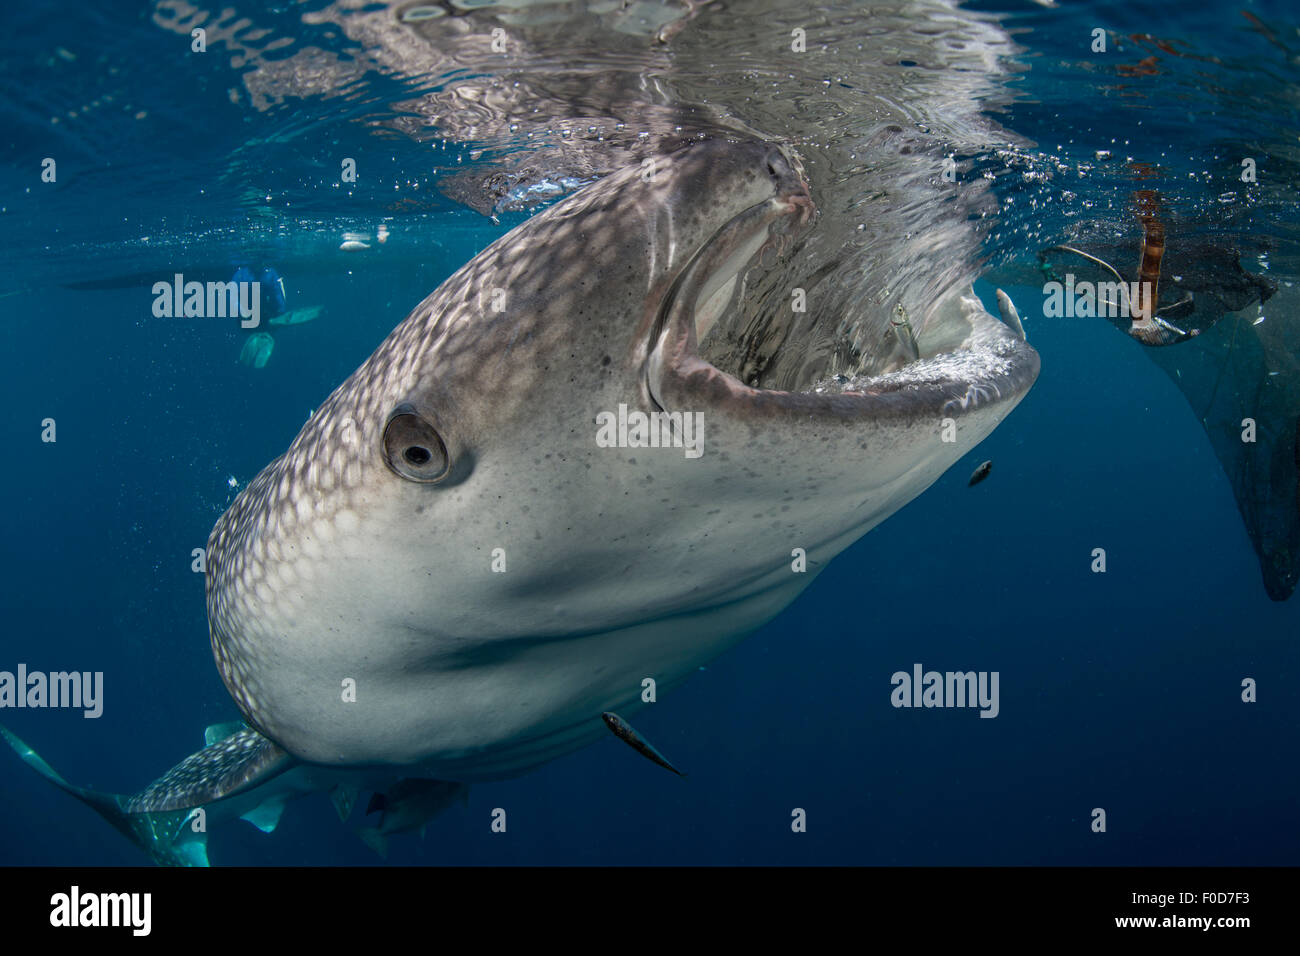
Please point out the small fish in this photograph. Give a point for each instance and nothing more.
(980, 473)
(354, 245)
(904, 334)
(621, 729)
(1009, 314)
(297, 316)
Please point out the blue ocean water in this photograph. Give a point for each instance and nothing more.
(1119, 690)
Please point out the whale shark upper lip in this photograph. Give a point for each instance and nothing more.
(775, 220)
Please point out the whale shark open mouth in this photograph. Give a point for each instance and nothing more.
(965, 358)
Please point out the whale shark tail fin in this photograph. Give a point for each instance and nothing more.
(167, 819)
(158, 834)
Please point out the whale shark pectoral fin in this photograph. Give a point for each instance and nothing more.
(240, 762)
(266, 816)
(219, 732)
(155, 833)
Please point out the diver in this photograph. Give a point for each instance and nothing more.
(270, 284)
(256, 351)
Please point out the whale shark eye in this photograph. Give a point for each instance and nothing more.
(413, 448)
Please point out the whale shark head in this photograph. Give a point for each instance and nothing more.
(537, 493)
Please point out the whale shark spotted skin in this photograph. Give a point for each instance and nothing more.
(447, 577)
(620, 564)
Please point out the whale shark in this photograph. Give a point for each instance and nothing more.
(447, 577)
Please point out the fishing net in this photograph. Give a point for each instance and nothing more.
(1234, 367)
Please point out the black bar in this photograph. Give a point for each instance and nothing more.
(244, 907)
